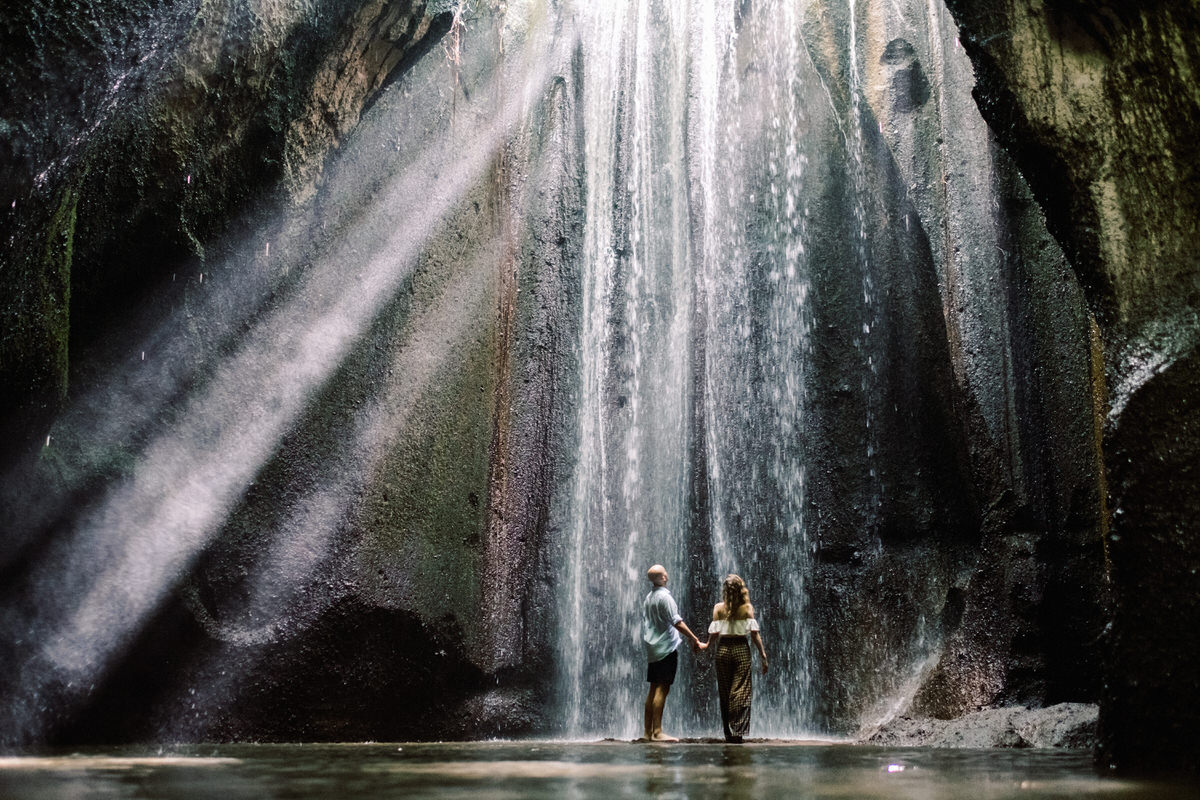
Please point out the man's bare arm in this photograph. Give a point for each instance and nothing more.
(682, 627)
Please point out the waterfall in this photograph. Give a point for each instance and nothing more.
(863, 343)
(694, 349)
(757, 285)
(629, 496)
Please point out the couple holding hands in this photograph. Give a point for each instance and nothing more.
(662, 633)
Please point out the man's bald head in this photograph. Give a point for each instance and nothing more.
(657, 575)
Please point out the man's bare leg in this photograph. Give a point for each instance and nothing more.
(648, 726)
(656, 700)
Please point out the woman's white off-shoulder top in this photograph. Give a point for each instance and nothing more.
(733, 627)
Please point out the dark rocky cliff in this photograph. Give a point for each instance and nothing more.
(139, 135)
(1098, 108)
(1006, 544)
(175, 168)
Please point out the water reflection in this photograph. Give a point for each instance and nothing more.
(737, 761)
(567, 770)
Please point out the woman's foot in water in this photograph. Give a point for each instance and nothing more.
(662, 737)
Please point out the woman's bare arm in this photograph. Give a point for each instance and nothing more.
(756, 637)
(762, 651)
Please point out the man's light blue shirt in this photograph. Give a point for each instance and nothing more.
(659, 615)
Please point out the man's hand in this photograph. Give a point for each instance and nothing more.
(700, 646)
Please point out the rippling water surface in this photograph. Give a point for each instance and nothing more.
(557, 769)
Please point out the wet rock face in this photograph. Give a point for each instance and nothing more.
(909, 86)
(1152, 689)
(1064, 725)
(380, 572)
(1097, 98)
(358, 671)
(138, 131)
(1096, 104)
(1006, 592)
(177, 130)
(966, 571)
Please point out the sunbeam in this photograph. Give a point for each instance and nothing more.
(93, 588)
(277, 605)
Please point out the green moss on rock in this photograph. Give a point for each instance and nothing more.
(55, 289)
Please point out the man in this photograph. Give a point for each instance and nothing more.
(662, 631)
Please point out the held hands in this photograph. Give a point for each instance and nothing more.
(764, 664)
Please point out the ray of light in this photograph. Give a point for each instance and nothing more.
(91, 592)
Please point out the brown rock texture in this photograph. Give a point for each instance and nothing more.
(1098, 105)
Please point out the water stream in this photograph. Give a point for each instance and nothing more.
(695, 349)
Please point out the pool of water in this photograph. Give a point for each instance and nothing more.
(564, 770)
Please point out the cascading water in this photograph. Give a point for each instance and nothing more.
(632, 475)
(755, 273)
(870, 321)
(694, 353)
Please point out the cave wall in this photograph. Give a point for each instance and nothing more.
(1014, 594)
(372, 578)
(141, 135)
(1097, 105)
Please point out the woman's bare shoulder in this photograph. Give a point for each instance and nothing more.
(718, 611)
(749, 611)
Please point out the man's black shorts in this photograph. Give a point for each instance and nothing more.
(663, 672)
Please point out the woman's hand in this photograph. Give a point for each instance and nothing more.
(764, 664)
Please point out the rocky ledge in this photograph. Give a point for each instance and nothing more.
(1066, 725)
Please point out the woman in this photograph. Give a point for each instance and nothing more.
(733, 619)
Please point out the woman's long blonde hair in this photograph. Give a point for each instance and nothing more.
(734, 594)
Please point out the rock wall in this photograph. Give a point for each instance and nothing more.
(1014, 597)
(371, 571)
(143, 134)
(1097, 105)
